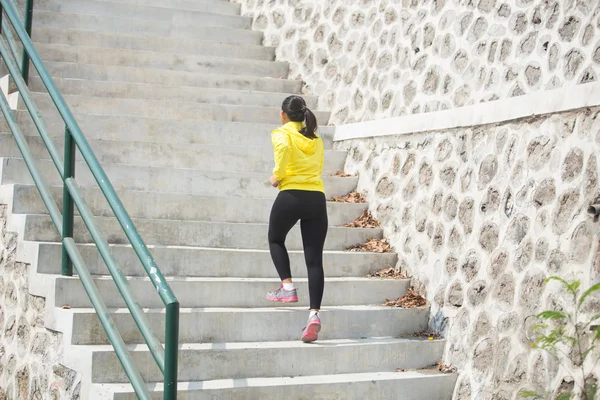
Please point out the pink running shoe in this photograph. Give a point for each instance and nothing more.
(311, 332)
(283, 296)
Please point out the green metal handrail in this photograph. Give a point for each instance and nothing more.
(9, 37)
(167, 358)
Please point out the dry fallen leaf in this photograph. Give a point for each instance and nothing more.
(373, 246)
(446, 369)
(66, 307)
(410, 300)
(390, 273)
(400, 370)
(366, 220)
(352, 197)
(342, 175)
(428, 334)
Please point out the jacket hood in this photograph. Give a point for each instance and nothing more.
(304, 144)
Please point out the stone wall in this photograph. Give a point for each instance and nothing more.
(370, 59)
(29, 353)
(480, 217)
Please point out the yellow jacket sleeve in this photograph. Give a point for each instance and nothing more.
(282, 149)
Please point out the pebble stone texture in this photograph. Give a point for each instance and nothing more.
(372, 59)
(480, 217)
(29, 353)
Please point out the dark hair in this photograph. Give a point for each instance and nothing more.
(296, 110)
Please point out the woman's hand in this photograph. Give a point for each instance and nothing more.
(273, 181)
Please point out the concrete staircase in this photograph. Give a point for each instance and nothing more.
(178, 99)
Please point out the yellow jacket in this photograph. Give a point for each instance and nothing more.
(298, 160)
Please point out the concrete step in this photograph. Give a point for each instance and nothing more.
(213, 6)
(414, 385)
(198, 64)
(167, 180)
(176, 206)
(39, 228)
(162, 131)
(130, 26)
(208, 16)
(207, 262)
(164, 109)
(229, 292)
(97, 72)
(124, 90)
(160, 44)
(273, 359)
(205, 325)
(169, 155)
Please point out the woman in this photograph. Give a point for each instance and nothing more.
(299, 159)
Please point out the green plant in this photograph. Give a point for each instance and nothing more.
(565, 335)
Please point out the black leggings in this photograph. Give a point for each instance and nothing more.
(310, 208)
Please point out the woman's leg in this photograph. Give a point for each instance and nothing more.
(281, 221)
(314, 232)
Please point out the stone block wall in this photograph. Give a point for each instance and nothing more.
(480, 216)
(371, 59)
(29, 353)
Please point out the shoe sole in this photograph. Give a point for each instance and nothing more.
(312, 333)
(287, 300)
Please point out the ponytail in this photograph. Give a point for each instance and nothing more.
(295, 108)
(311, 124)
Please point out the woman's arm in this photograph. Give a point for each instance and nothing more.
(281, 149)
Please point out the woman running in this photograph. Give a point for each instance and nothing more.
(299, 159)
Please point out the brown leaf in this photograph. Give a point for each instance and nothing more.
(352, 197)
(343, 175)
(390, 273)
(410, 300)
(428, 334)
(66, 307)
(372, 246)
(400, 370)
(446, 369)
(366, 220)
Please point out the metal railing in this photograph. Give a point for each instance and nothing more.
(166, 358)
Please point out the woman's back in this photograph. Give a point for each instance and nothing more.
(299, 160)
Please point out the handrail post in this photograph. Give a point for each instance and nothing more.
(68, 208)
(171, 348)
(28, 24)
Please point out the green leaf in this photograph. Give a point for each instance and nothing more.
(547, 341)
(538, 327)
(591, 391)
(588, 292)
(587, 352)
(570, 339)
(564, 396)
(551, 315)
(528, 393)
(592, 320)
(557, 278)
(573, 287)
